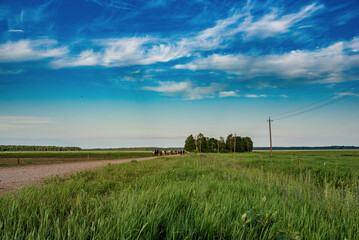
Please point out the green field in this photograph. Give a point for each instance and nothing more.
(39, 157)
(208, 196)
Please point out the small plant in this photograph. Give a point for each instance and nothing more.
(258, 221)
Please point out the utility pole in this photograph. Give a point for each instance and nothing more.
(270, 135)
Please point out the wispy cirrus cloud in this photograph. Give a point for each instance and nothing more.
(30, 50)
(256, 95)
(10, 71)
(118, 4)
(336, 63)
(85, 58)
(345, 94)
(170, 87)
(274, 22)
(228, 94)
(188, 90)
(8, 123)
(27, 16)
(124, 52)
(148, 50)
(16, 30)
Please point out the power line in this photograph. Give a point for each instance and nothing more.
(316, 102)
(316, 107)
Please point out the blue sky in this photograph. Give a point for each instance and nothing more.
(105, 73)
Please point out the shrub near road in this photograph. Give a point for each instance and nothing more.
(189, 197)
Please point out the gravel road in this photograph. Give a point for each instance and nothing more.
(18, 176)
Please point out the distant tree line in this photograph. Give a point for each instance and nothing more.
(307, 148)
(4, 148)
(232, 143)
(131, 149)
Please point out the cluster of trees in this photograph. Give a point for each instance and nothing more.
(232, 143)
(36, 148)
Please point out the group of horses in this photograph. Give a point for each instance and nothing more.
(160, 152)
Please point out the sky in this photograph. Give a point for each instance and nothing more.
(106, 73)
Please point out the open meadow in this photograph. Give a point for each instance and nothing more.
(245, 196)
(40, 157)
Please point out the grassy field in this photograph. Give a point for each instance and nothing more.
(246, 196)
(37, 157)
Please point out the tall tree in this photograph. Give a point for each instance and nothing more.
(248, 144)
(239, 144)
(202, 143)
(229, 143)
(190, 145)
(212, 145)
(222, 145)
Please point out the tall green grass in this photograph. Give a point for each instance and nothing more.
(188, 197)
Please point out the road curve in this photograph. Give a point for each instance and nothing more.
(18, 176)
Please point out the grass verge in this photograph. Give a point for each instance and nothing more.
(188, 197)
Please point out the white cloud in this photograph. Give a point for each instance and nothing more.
(243, 22)
(204, 92)
(124, 52)
(113, 3)
(345, 94)
(228, 94)
(10, 71)
(170, 87)
(345, 18)
(8, 123)
(16, 30)
(353, 45)
(255, 95)
(148, 50)
(273, 23)
(85, 58)
(130, 51)
(29, 50)
(186, 89)
(213, 37)
(335, 63)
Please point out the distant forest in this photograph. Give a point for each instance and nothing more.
(4, 148)
(232, 143)
(135, 149)
(307, 148)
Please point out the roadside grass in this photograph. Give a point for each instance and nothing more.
(341, 166)
(206, 196)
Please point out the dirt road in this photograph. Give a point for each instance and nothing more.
(15, 177)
